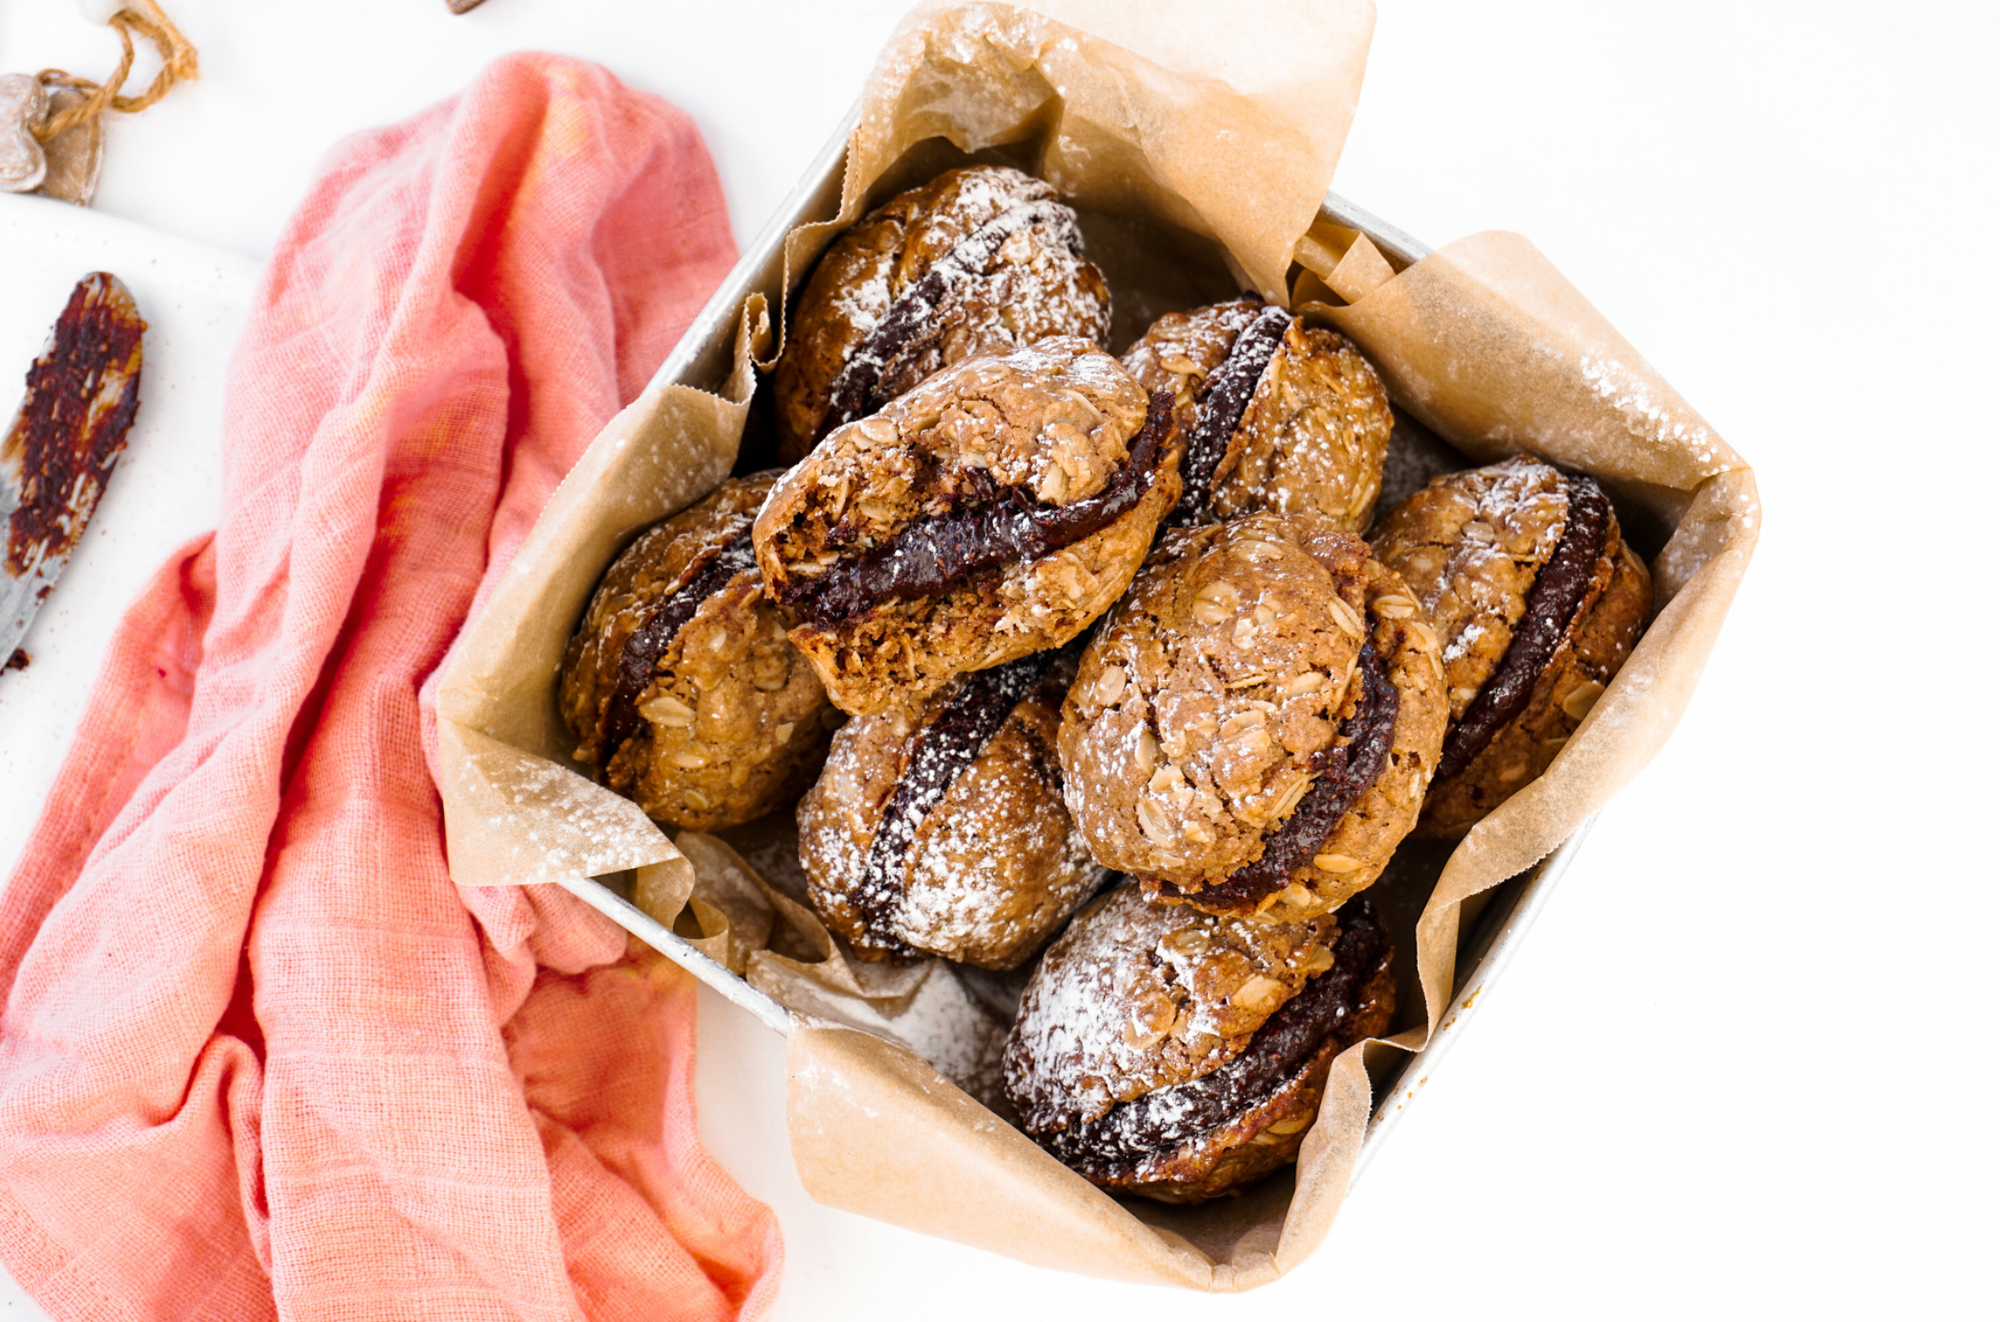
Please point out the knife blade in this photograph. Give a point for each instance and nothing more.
(83, 392)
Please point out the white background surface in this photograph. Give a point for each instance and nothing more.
(1745, 1065)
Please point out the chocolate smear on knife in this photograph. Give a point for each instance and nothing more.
(912, 321)
(1344, 771)
(938, 753)
(988, 527)
(638, 664)
(1320, 1014)
(83, 393)
(1223, 396)
(1552, 604)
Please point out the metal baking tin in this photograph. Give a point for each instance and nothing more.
(702, 360)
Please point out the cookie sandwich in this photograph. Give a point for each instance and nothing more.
(1523, 572)
(1172, 1054)
(680, 686)
(1278, 414)
(938, 828)
(1253, 729)
(983, 259)
(992, 512)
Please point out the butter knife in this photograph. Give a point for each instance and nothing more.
(57, 457)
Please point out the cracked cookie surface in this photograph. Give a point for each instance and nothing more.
(1005, 268)
(1281, 415)
(680, 686)
(1537, 601)
(992, 512)
(981, 863)
(1228, 693)
(1179, 1055)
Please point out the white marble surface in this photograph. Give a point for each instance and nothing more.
(1741, 1068)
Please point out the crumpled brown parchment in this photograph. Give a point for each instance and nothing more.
(1199, 143)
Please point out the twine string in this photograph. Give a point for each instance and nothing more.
(178, 63)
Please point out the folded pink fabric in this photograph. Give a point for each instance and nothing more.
(260, 1056)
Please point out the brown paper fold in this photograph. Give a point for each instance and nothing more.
(1494, 350)
(516, 810)
(1199, 150)
(1227, 124)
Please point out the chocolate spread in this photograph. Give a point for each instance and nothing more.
(1552, 606)
(988, 526)
(937, 753)
(709, 573)
(1321, 1014)
(1222, 398)
(1344, 771)
(913, 321)
(83, 393)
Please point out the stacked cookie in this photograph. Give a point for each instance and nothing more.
(1090, 617)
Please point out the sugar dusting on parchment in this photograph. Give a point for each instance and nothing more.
(1647, 417)
(539, 822)
(955, 1018)
(946, 1023)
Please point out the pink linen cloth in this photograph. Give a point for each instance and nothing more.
(259, 1056)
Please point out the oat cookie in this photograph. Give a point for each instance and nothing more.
(680, 686)
(992, 512)
(1279, 415)
(982, 259)
(1253, 728)
(939, 828)
(1169, 1053)
(1537, 600)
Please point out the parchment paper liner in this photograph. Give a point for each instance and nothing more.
(1484, 342)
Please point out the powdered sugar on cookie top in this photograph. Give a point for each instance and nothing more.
(1137, 996)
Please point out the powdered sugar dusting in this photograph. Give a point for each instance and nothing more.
(1137, 996)
(863, 303)
(1660, 423)
(554, 823)
(990, 261)
(972, 855)
(1470, 547)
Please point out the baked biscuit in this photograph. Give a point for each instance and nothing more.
(992, 512)
(680, 686)
(982, 259)
(1168, 1053)
(1279, 415)
(939, 828)
(1253, 728)
(1522, 571)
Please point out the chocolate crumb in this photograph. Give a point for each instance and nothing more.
(18, 661)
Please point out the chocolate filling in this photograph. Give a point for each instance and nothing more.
(639, 663)
(912, 321)
(1324, 1010)
(82, 395)
(1222, 398)
(938, 753)
(988, 526)
(1552, 605)
(1344, 772)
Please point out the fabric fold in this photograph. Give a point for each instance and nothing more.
(259, 1055)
